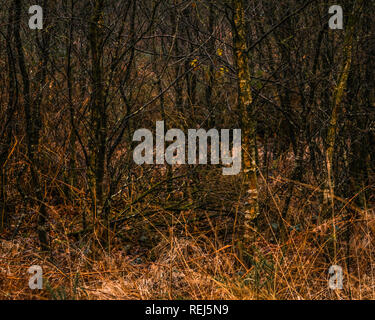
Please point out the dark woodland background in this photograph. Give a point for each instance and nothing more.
(73, 201)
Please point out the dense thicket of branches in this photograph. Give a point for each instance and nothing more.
(72, 95)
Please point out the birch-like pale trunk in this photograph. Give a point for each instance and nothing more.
(248, 124)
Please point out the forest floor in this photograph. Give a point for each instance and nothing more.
(180, 245)
(191, 261)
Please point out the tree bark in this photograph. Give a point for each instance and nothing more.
(248, 124)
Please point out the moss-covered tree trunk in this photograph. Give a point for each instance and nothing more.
(337, 102)
(248, 125)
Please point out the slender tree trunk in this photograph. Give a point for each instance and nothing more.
(175, 19)
(211, 70)
(71, 174)
(6, 133)
(248, 124)
(33, 121)
(97, 145)
(338, 100)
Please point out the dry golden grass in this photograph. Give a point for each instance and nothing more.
(186, 268)
(189, 254)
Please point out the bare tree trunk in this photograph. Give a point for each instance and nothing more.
(6, 132)
(338, 100)
(33, 121)
(71, 174)
(97, 145)
(211, 70)
(248, 124)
